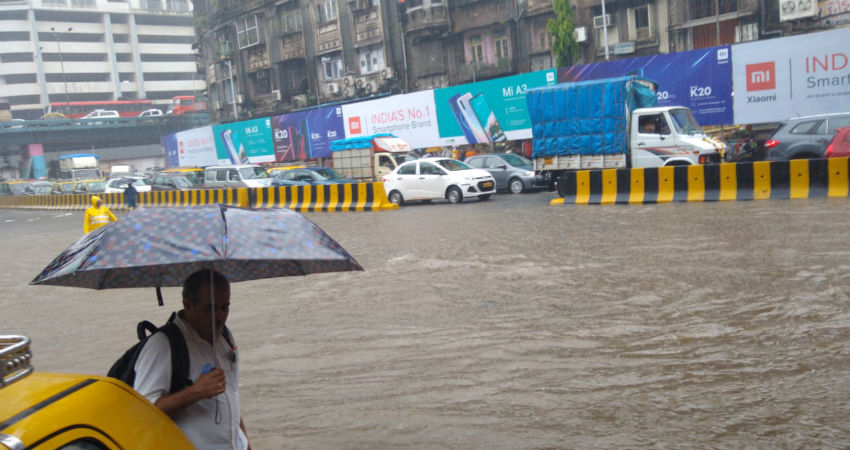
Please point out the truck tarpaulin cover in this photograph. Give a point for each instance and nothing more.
(359, 142)
(572, 118)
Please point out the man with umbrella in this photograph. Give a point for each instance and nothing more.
(130, 194)
(208, 409)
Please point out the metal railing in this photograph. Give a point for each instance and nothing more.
(15, 358)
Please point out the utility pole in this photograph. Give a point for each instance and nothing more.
(232, 89)
(61, 61)
(605, 30)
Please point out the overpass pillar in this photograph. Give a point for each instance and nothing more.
(32, 161)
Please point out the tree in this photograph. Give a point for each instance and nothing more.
(564, 46)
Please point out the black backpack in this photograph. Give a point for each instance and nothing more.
(124, 368)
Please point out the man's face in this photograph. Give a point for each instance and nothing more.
(199, 316)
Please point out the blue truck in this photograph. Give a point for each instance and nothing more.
(612, 123)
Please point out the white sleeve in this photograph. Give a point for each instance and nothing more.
(153, 368)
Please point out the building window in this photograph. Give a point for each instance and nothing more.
(326, 11)
(544, 39)
(332, 67)
(641, 23)
(178, 5)
(476, 50)
(262, 81)
(54, 2)
(247, 31)
(703, 8)
(225, 45)
(83, 3)
(501, 45)
(155, 5)
(371, 59)
(541, 62)
(290, 21)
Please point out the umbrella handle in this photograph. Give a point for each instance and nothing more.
(159, 296)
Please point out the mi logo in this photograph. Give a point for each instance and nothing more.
(354, 125)
(761, 76)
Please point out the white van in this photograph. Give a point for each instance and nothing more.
(240, 175)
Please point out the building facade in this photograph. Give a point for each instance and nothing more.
(266, 57)
(95, 50)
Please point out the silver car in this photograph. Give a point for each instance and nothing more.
(511, 171)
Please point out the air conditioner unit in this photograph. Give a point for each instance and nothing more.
(333, 88)
(276, 94)
(598, 21)
(580, 34)
(299, 100)
(240, 99)
(348, 81)
(371, 87)
(387, 73)
(349, 91)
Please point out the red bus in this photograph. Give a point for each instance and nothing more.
(187, 104)
(75, 110)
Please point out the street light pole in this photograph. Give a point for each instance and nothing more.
(232, 89)
(62, 61)
(604, 30)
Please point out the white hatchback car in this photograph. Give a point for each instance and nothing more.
(436, 178)
(151, 113)
(98, 113)
(117, 185)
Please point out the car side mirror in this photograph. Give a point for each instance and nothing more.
(502, 166)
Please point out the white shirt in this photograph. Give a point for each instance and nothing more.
(198, 420)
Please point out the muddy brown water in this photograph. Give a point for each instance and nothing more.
(511, 324)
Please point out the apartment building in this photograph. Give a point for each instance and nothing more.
(95, 50)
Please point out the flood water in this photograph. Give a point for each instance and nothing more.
(511, 324)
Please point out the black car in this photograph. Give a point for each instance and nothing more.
(175, 181)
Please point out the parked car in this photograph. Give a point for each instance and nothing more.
(840, 145)
(117, 185)
(235, 176)
(274, 171)
(90, 187)
(436, 178)
(15, 187)
(196, 174)
(511, 171)
(67, 411)
(63, 187)
(804, 137)
(308, 176)
(101, 113)
(151, 113)
(39, 188)
(175, 181)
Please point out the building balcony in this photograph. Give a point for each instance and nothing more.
(292, 47)
(483, 70)
(538, 6)
(428, 20)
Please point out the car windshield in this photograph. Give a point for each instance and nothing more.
(184, 182)
(405, 158)
(97, 186)
(41, 189)
(250, 173)
(86, 173)
(684, 121)
(453, 165)
(516, 160)
(327, 174)
(18, 188)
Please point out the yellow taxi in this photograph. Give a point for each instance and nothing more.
(63, 187)
(52, 411)
(16, 187)
(273, 171)
(195, 174)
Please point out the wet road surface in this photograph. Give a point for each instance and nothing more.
(512, 324)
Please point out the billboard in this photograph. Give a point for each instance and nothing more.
(411, 117)
(796, 9)
(699, 79)
(792, 76)
(488, 111)
(248, 141)
(306, 134)
(193, 147)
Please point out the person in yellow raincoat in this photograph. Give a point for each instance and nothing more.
(97, 216)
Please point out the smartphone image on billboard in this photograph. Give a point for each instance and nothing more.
(465, 127)
(487, 118)
(231, 144)
(481, 136)
(306, 146)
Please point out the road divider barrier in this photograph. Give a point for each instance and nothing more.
(803, 178)
(336, 197)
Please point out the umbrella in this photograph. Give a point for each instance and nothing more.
(159, 247)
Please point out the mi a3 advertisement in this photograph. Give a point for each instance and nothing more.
(790, 77)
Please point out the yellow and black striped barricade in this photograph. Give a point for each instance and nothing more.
(330, 197)
(717, 182)
(180, 199)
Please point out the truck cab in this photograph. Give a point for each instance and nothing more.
(668, 136)
(369, 158)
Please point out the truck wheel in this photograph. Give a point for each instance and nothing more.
(396, 198)
(453, 195)
(562, 186)
(516, 186)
